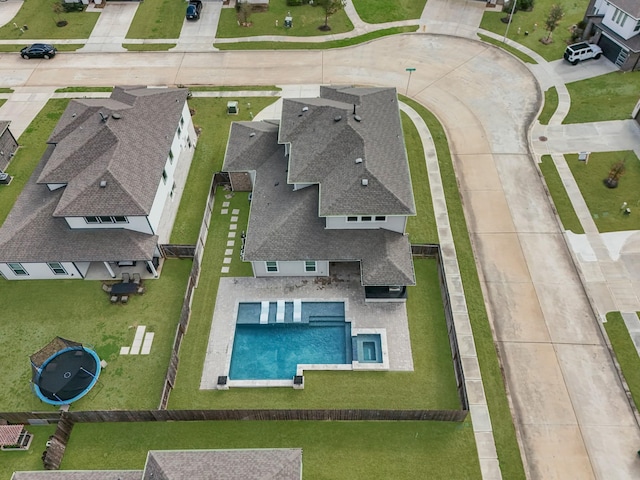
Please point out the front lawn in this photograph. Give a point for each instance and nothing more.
(616, 94)
(158, 19)
(605, 203)
(526, 22)
(306, 20)
(561, 200)
(381, 11)
(550, 105)
(40, 20)
(331, 450)
(626, 353)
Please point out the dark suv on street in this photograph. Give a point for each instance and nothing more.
(39, 50)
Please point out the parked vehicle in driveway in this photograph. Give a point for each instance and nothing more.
(39, 50)
(581, 51)
(194, 9)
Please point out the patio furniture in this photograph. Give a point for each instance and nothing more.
(106, 288)
(140, 290)
(114, 299)
(124, 288)
(126, 278)
(124, 299)
(136, 278)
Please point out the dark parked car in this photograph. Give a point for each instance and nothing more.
(38, 50)
(194, 9)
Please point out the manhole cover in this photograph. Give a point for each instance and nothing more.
(542, 139)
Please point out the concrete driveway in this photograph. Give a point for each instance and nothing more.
(8, 10)
(571, 412)
(199, 35)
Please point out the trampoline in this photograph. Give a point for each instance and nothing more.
(64, 371)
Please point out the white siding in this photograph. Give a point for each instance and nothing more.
(55, 186)
(40, 271)
(300, 186)
(395, 224)
(291, 269)
(138, 224)
(628, 24)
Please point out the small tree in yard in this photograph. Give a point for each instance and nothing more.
(551, 23)
(330, 7)
(58, 10)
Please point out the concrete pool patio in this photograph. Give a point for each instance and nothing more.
(343, 285)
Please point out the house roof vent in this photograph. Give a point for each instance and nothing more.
(116, 116)
(103, 117)
(365, 182)
(103, 183)
(252, 134)
(305, 109)
(357, 118)
(359, 160)
(337, 118)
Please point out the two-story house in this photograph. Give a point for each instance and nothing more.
(614, 25)
(330, 183)
(106, 192)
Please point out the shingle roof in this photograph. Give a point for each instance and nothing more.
(31, 233)
(632, 7)
(326, 138)
(128, 152)
(9, 434)
(252, 464)
(284, 224)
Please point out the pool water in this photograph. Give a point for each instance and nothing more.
(273, 351)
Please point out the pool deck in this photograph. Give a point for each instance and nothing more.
(344, 286)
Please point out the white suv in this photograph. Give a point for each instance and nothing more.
(581, 51)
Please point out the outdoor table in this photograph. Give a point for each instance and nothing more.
(123, 288)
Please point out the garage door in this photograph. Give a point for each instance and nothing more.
(612, 50)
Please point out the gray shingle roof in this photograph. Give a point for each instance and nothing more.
(632, 7)
(31, 233)
(128, 153)
(253, 464)
(284, 224)
(326, 139)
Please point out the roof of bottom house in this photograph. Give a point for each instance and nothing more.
(31, 234)
(246, 464)
(284, 224)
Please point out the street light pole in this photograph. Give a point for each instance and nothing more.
(410, 70)
(513, 8)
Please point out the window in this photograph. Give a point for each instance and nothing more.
(637, 27)
(17, 269)
(170, 156)
(310, 266)
(619, 17)
(365, 219)
(120, 219)
(179, 131)
(164, 176)
(272, 266)
(352, 219)
(381, 219)
(173, 189)
(106, 219)
(182, 121)
(91, 219)
(57, 268)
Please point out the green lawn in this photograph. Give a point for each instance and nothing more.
(560, 197)
(626, 353)
(83, 89)
(239, 88)
(332, 450)
(41, 23)
(525, 21)
(550, 105)
(380, 11)
(80, 310)
(29, 460)
(604, 203)
(64, 47)
(306, 20)
(211, 116)
(6, 90)
(317, 45)
(513, 51)
(158, 19)
(503, 429)
(148, 47)
(618, 91)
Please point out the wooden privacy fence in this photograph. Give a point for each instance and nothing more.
(433, 251)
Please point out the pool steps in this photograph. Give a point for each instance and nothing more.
(297, 310)
(264, 312)
(280, 311)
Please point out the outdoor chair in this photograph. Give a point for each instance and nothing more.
(136, 278)
(114, 299)
(140, 290)
(126, 278)
(124, 299)
(106, 288)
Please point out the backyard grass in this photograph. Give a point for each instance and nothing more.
(158, 19)
(604, 203)
(332, 450)
(314, 45)
(148, 47)
(32, 146)
(306, 20)
(550, 105)
(80, 311)
(626, 353)
(560, 197)
(380, 11)
(617, 94)
(525, 21)
(513, 51)
(501, 420)
(41, 23)
(29, 460)
(211, 116)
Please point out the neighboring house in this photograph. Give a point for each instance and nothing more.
(8, 145)
(330, 183)
(251, 464)
(106, 192)
(614, 25)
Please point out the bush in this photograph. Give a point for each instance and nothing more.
(294, 3)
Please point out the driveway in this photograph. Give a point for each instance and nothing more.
(8, 10)
(571, 412)
(199, 35)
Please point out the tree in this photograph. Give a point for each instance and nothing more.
(58, 10)
(555, 15)
(330, 7)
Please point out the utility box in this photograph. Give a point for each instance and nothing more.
(232, 108)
